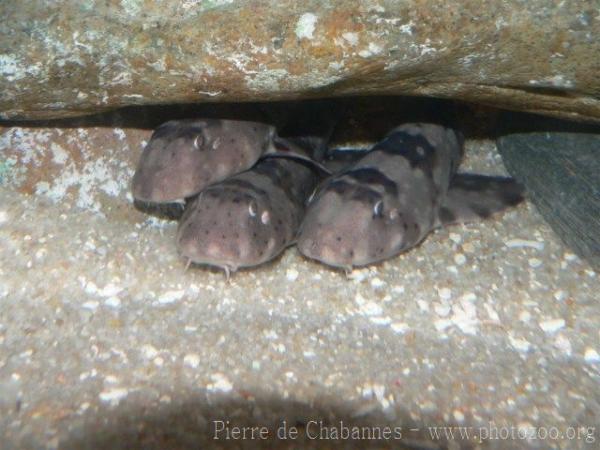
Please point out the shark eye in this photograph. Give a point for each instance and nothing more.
(378, 209)
(198, 142)
(252, 208)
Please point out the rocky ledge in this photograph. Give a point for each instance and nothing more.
(68, 58)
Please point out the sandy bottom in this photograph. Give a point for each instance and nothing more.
(490, 330)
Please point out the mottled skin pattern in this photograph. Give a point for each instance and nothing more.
(394, 196)
(184, 156)
(249, 218)
(473, 197)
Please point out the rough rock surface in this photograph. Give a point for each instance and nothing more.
(561, 172)
(70, 57)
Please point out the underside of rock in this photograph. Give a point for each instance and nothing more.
(70, 58)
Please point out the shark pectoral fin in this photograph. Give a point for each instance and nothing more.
(475, 197)
(302, 149)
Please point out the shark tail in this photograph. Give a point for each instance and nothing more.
(475, 197)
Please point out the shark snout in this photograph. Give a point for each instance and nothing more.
(327, 247)
(217, 252)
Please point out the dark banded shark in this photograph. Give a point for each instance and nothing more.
(250, 218)
(184, 156)
(401, 190)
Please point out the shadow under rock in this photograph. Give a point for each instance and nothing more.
(204, 420)
(364, 119)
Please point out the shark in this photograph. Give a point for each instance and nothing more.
(252, 217)
(401, 190)
(182, 157)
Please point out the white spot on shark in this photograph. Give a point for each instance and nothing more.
(265, 217)
(216, 144)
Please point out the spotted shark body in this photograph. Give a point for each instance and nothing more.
(249, 218)
(184, 156)
(401, 190)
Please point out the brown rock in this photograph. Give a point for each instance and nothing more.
(68, 58)
(89, 167)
